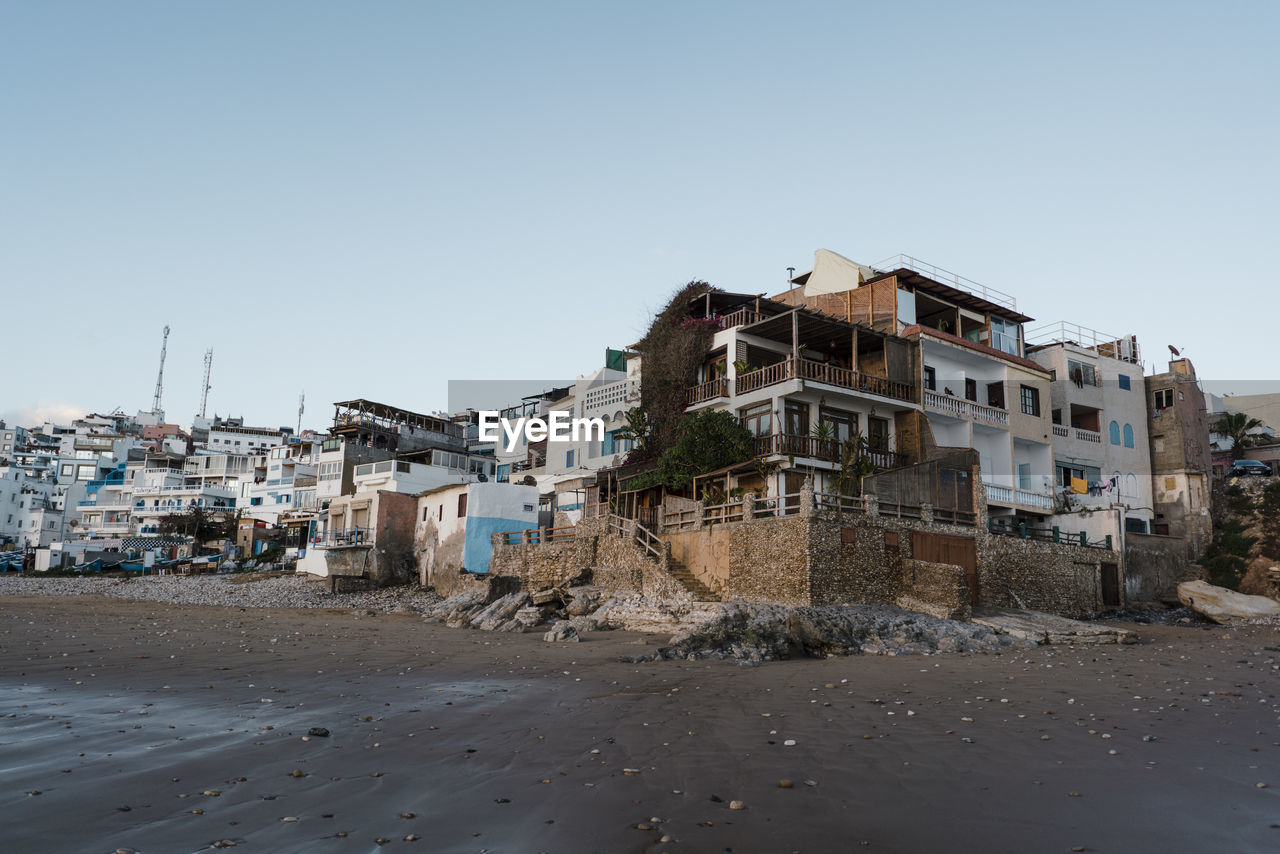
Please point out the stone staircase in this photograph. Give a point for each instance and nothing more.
(658, 550)
(699, 591)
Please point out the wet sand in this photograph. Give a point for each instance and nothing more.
(174, 728)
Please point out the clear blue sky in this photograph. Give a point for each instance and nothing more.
(370, 199)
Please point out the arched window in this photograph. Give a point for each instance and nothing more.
(1115, 433)
(1128, 435)
(1131, 485)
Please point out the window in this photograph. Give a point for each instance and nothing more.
(1128, 435)
(844, 424)
(877, 434)
(797, 419)
(995, 395)
(1123, 380)
(1135, 526)
(1030, 400)
(1081, 374)
(568, 459)
(1024, 476)
(1164, 398)
(930, 378)
(1115, 433)
(255, 501)
(1004, 336)
(758, 419)
(971, 390)
(462, 504)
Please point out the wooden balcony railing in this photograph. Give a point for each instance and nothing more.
(766, 376)
(822, 372)
(710, 390)
(741, 317)
(779, 444)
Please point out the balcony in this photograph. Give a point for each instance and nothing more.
(741, 317)
(958, 407)
(709, 390)
(1019, 497)
(810, 371)
(344, 538)
(1082, 435)
(828, 450)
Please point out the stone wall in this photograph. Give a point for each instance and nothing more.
(1155, 566)
(939, 589)
(1057, 578)
(539, 566)
(850, 560)
(769, 560)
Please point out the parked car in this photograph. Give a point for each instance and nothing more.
(1249, 468)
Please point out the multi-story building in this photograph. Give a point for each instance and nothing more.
(160, 488)
(231, 436)
(910, 358)
(1180, 458)
(273, 489)
(1102, 456)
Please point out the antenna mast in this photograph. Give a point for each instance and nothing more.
(302, 405)
(204, 392)
(164, 349)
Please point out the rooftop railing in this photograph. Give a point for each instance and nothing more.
(947, 277)
(1123, 347)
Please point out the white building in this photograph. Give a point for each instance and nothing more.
(273, 490)
(1102, 456)
(456, 524)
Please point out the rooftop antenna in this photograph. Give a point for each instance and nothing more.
(164, 349)
(302, 405)
(791, 274)
(204, 391)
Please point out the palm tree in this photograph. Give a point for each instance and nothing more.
(1236, 426)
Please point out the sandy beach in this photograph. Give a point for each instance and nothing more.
(172, 728)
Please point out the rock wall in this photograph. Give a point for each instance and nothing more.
(539, 566)
(769, 560)
(851, 560)
(1155, 566)
(1057, 578)
(939, 589)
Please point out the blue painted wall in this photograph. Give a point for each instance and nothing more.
(477, 550)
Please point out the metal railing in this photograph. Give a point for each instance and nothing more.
(1123, 347)
(947, 277)
(343, 538)
(840, 503)
(1048, 535)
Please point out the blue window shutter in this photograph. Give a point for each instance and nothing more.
(1124, 381)
(1128, 435)
(1115, 433)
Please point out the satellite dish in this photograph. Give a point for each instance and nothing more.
(1173, 350)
